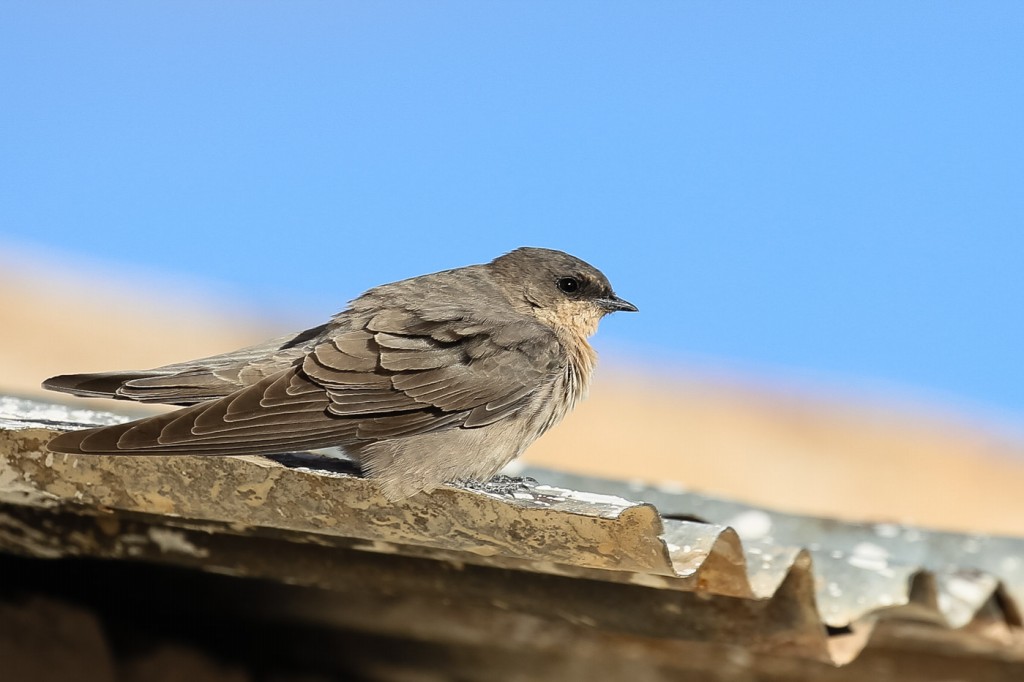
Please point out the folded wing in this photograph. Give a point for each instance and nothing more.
(395, 374)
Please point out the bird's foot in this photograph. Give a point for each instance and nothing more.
(502, 485)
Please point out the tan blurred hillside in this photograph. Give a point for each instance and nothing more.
(810, 453)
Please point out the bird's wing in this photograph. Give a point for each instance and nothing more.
(195, 381)
(409, 372)
(399, 374)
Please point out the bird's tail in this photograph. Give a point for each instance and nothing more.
(98, 385)
(261, 419)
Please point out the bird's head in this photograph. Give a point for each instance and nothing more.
(562, 291)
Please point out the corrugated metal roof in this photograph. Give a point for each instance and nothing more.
(765, 581)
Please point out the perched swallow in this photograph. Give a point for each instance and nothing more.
(439, 378)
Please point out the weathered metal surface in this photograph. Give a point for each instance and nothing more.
(863, 572)
(761, 580)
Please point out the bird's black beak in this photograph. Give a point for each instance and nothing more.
(613, 303)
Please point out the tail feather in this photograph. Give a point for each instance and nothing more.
(144, 386)
(99, 385)
(212, 428)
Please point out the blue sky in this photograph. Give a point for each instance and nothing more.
(833, 190)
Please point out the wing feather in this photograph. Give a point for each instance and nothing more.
(392, 374)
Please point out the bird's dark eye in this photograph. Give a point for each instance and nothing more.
(568, 285)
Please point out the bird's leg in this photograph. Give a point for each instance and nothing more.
(501, 484)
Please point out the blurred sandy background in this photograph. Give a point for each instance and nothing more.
(796, 451)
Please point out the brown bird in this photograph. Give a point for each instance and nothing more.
(439, 378)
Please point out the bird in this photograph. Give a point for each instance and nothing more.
(442, 378)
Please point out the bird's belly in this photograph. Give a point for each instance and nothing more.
(405, 466)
